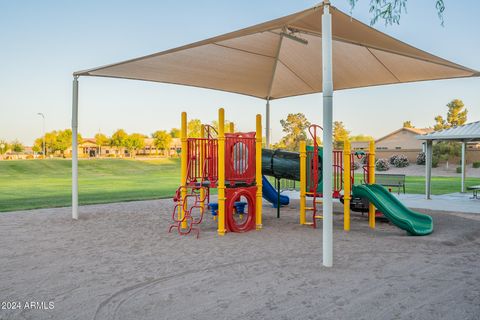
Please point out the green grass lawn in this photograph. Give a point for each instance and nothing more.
(29, 184)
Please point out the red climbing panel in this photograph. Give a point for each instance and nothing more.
(191, 205)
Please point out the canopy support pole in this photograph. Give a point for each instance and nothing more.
(464, 148)
(327, 135)
(75, 149)
(428, 168)
(267, 124)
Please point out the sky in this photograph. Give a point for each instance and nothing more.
(43, 42)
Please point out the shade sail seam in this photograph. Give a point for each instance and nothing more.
(295, 74)
(369, 46)
(453, 65)
(400, 41)
(379, 61)
(243, 50)
(274, 68)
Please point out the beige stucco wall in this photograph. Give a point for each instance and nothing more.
(403, 139)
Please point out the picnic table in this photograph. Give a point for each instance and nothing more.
(475, 190)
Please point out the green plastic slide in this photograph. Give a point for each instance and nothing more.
(414, 223)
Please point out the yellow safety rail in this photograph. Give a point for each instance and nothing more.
(347, 185)
(303, 181)
(258, 172)
(221, 172)
(371, 180)
(183, 159)
(202, 163)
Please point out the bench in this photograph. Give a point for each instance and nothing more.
(475, 190)
(391, 180)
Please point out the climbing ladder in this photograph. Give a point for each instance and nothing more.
(313, 187)
(188, 212)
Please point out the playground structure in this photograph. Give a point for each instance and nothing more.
(235, 164)
(231, 163)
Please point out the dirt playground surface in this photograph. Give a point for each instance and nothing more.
(119, 262)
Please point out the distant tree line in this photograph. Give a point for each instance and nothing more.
(14, 146)
(61, 140)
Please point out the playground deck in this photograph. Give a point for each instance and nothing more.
(118, 262)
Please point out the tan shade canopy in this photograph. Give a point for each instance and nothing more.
(283, 58)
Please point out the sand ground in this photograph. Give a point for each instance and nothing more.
(118, 262)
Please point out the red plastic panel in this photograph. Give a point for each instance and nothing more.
(247, 194)
(240, 158)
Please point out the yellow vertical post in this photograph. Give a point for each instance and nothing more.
(347, 187)
(371, 180)
(232, 127)
(221, 172)
(258, 172)
(183, 159)
(303, 181)
(201, 164)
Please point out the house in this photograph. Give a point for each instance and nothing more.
(402, 141)
(88, 148)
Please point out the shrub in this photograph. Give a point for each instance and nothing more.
(421, 158)
(382, 165)
(435, 161)
(459, 169)
(476, 164)
(401, 161)
(391, 160)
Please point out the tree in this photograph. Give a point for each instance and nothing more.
(279, 145)
(361, 137)
(457, 113)
(295, 127)
(101, 140)
(38, 145)
(408, 124)
(340, 134)
(214, 124)
(194, 128)
(175, 133)
(16, 146)
(64, 140)
(50, 142)
(456, 116)
(391, 10)
(134, 142)
(4, 146)
(440, 123)
(162, 140)
(446, 150)
(118, 139)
